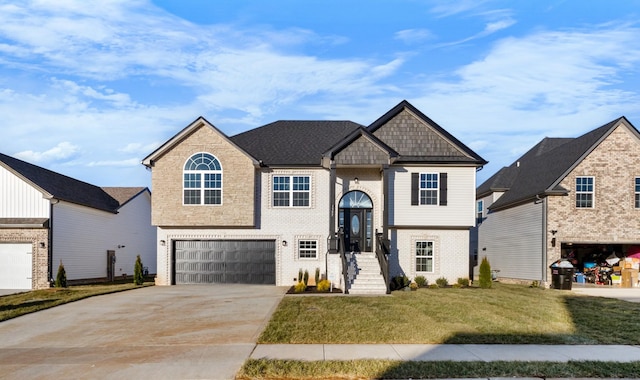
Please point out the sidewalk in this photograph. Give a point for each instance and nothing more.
(446, 352)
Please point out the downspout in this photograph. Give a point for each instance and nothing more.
(52, 202)
(332, 212)
(385, 196)
(544, 240)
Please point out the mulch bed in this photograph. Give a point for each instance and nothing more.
(312, 290)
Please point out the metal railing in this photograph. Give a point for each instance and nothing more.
(343, 256)
(382, 253)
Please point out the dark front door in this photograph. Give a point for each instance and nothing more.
(357, 223)
(111, 263)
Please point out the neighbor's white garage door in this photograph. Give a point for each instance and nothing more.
(15, 266)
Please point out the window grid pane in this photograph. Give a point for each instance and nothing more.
(424, 256)
(428, 188)
(192, 197)
(637, 192)
(291, 191)
(584, 192)
(308, 249)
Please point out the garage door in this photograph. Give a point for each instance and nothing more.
(15, 266)
(225, 261)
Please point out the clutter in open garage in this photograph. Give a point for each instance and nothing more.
(615, 265)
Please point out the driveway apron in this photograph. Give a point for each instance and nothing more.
(176, 332)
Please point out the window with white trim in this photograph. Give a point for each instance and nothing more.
(428, 188)
(479, 212)
(584, 192)
(637, 192)
(291, 191)
(202, 180)
(308, 249)
(424, 256)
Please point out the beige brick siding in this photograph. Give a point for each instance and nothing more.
(40, 263)
(238, 180)
(614, 164)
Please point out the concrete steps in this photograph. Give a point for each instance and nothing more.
(364, 274)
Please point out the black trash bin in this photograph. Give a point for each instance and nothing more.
(561, 277)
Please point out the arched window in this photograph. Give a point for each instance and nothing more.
(202, 180)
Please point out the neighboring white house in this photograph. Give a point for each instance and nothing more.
(47, 218)
(260, 206)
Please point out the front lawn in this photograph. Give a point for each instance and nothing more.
(510, 314)
(15, 305)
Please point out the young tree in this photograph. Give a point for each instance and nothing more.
(61, 277)
(138, 277)
(485, 274)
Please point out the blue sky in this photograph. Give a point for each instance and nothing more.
(88, 89)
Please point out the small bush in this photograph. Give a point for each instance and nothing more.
(485, 274)
(138, 276)
(535, 284)
(456, 285)
(61, 277)
(300, 275)
(433, 286)
(323, 286)
(442, 282)
(317, 277)
(421, 281)
(305, 277)
(399, 282)
(463, 282)
(413, 286)
(300, 287)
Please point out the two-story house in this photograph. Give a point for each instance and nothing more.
(262, 205)
(575, 198)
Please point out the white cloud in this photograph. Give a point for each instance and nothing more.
(412, 36)
(114, 163)
(61, 151)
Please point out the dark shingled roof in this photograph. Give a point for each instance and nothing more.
(62, 187)
(293, 142)
(536, 172)
(124, 194)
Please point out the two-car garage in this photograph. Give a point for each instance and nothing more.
(224, 261)
(15, 266)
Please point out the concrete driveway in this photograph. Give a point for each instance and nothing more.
(625, 294)
(177, 332)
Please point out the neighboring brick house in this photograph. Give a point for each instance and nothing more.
(262, 205)
(47, 218)
(566, 197)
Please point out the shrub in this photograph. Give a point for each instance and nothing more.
(138, 277)
(61, 277)
(442, 282)
(413, 286)
(433, 286)
(323, 286)
(535, 284)
(485, 274)
(300, 287)
(300, 275)
(317, 277)
(305, 277)
(399, 282)
(463, 282)
(421, 281)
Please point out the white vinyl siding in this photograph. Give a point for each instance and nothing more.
(512, 241)
(460, 208)
(83, 235)
(19, 199)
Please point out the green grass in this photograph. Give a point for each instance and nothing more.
(508, 314)
(15, 305)
(386, 369)
(503, 314)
